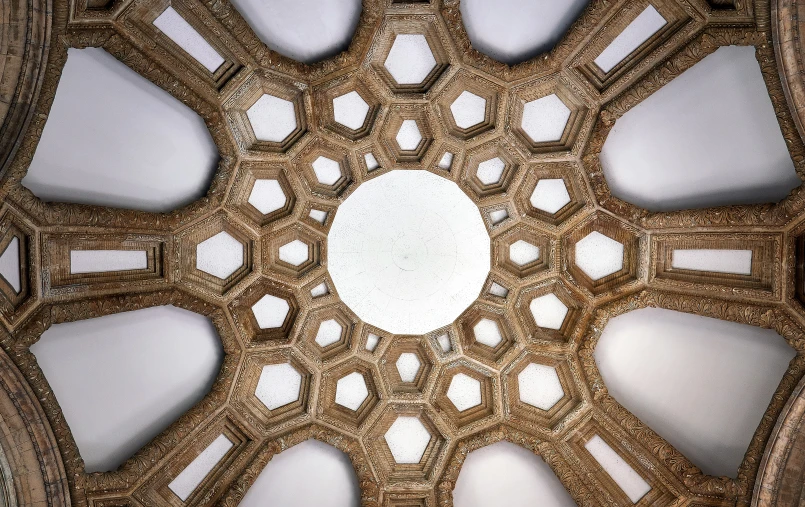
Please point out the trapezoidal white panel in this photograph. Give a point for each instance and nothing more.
(708, 138)
(307, 474)
(113, 138)
(121, 379)
(702, 384)
(513, 31)
(305, 30)
(508, 475)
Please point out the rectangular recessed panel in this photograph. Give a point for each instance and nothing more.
(179, 31)
(624, 475)
(186, 482)
(636, 33)
(102, 261)
(738, 262)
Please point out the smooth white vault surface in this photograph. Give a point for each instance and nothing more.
(305, 30)
(308, 474)
(408, 252)
(702, 384)
(512, 31)
(148, 152)
(696, 143)
(508, 475)
(97, 370)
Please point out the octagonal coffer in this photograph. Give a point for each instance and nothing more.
(405, 443)
(349, 107)
(267, 114)
(411, 57)
(349, 394)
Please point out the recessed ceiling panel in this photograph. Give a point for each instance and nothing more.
(121, 379)
(708, 138)
(506, 474)
(113, 138)
(702, 384)
(513, 31)
(305, 30)
(408, 252)
(307, 474)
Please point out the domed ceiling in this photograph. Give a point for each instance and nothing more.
(401, 253)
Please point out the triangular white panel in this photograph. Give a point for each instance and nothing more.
(10, 264)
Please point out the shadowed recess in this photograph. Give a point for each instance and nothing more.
(305, 30)
(97, 370)
(513, 31)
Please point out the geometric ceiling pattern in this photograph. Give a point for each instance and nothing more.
(297, 141)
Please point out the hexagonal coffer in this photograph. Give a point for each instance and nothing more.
(406, 365)
(523, 251)
(602, 253)
(405, 443)
(485, 334)
(490, 168)
(348, 107)
(349, 393)
(546, 116)
(411, 58)
(274, 388)
(294, 252)
(407, 134)
(540, 390)
(266, 113)
(265, 312)
(326, 168)
(465, 394)
(551, 193)
(329, 332)
(215, 255)
(549, 311)
(469, 105)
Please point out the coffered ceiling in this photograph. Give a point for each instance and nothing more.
(399, 253)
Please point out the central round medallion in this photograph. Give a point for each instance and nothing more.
(408, 252)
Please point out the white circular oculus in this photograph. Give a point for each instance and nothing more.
(408, 252)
